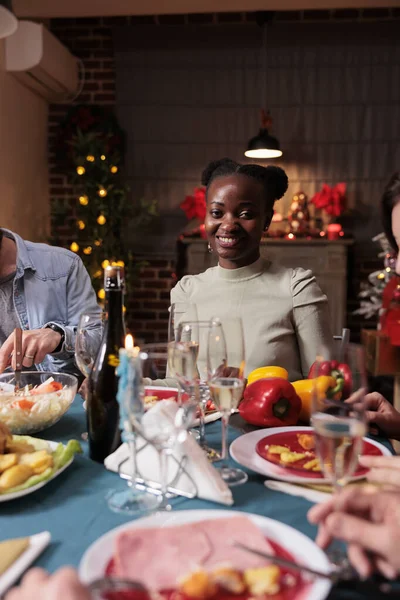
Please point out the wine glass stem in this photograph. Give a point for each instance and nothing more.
(224, 422)
(202, 425)
(163, 458)
(132, 447)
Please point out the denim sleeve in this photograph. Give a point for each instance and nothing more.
(81, 298)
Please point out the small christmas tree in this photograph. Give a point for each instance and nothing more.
(90, 150)
(298, 215)
(371, 293)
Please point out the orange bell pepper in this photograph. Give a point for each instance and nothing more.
(324, 385)
(267, 373)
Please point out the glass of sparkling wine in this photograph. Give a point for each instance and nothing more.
(225, 365)
(194, 334)
(339, 419)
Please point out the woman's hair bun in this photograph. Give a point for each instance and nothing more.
(278, 179)
(218, 167)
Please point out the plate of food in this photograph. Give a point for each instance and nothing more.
(41, 400)
(153, 394)
(193, 552)
(288, 454)
(27, 463)
(17, 555)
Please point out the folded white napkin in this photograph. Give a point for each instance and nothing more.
(208, 482)
(293, 489)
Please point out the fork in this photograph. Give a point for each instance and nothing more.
(115, 584)
(18, 357)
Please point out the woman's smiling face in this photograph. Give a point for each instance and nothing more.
(236, 218)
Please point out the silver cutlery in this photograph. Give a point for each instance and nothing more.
(114, 584)
(17, 357)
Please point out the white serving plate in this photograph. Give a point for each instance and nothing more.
(37, 543)
(33, 488)
(243, 450)
(302, 548)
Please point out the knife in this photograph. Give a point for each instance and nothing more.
(374, 588)
(18, 357)
(284, 562)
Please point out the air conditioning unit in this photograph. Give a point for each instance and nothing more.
(41, 62)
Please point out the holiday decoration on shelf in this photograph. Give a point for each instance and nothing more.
(90, 150)
(195, 206)
(381, 284)
(298, 215)
(330, 201)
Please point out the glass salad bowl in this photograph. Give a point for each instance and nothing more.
(41, 400)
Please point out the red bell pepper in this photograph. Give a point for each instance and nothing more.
(270, 403)
(339, 371)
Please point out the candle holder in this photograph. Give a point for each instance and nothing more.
(132, 500)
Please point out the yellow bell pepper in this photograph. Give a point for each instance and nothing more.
(267, 373)
(305, 389)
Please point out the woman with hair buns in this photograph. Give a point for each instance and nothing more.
(285, 314)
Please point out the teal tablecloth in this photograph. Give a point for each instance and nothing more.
(73, 507)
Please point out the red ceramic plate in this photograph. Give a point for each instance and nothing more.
(294, 586)
(165, 393)
(290, 440)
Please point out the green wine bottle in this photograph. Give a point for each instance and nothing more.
(102, 405)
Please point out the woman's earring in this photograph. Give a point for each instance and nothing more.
(209, 247)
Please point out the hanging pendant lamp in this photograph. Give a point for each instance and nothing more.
(8, 21)
(264, 145)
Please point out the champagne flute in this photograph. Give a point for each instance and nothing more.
(87, 341)
(178, 312)
(339, 423)
(194, 334)
(339, 419)
(165, 424)
(225, 363)
(88, 338)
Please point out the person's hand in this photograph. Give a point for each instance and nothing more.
(37, 583)
(36, 343)
(84, 389)
(369, 521)
(383, 469)
(383, 414)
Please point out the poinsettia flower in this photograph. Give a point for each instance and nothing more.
(195, 206)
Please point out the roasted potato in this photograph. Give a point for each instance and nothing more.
(5, 437)
(291, 457)
(229, 579)
(39, 461)
(263, 580)
(15, 476)
(198, 585)
(19, 447)
(273, 449)
(7, 461)
(306, 441)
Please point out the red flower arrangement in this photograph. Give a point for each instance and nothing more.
(331, 199)
(195, 206)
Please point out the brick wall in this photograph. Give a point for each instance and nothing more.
(91, 40)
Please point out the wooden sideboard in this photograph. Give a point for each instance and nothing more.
(326, 259)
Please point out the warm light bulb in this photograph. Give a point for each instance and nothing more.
(102, 192)
(101, 219)
(103, 157)
(80, 170)
(97, 242)
(81, 225)
(90, 158)
(105, 264)
(87, 250)
(101, 294)
(263, 153)
(74, 247)
(98, 274)
(114, 169)
(83, 200)
(124, 309)
(129, 342)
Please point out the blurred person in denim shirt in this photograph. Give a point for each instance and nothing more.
(43, 290)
